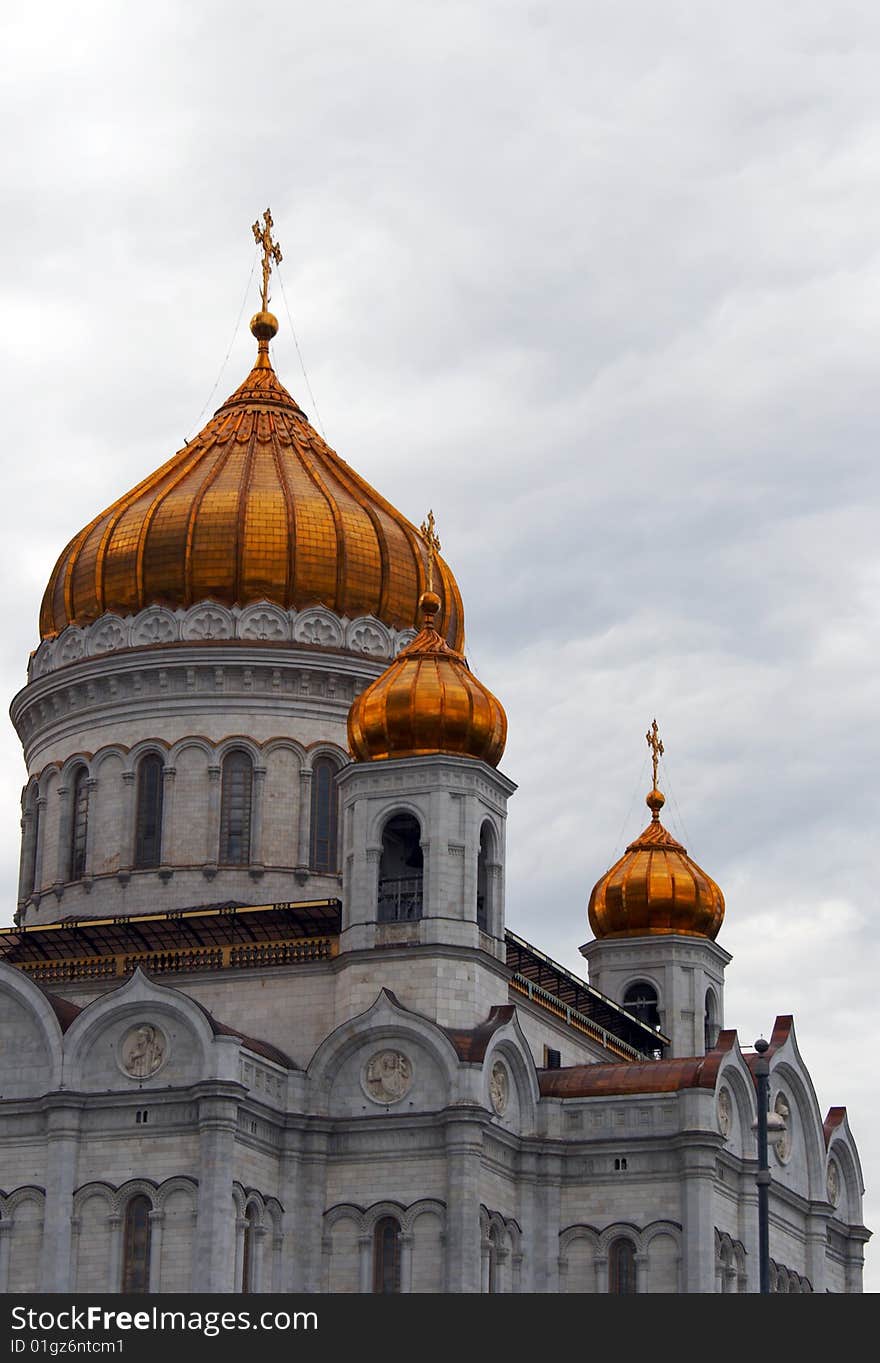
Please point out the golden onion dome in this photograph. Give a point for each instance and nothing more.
(656, 888)
(427, 701)
(256, 508)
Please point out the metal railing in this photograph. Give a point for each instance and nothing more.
(400, 901)
(574, 1017)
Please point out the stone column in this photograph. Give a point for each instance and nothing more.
(406, 1244)
(5, 1237)
(365, 1263)
(91, 785)
(167, 849)
(817, 1232)
(27, 835)
(548, 1204)
(128, 840)
(212, 827)
(258, 1250)
(698, 1230)
(114, 1269)
(485, 1249)
(214, 1258)
(641, 1267)
(238, 1284)
(312, 1176)
(602, 1271)
(464, 1148)
(303, 850)
(157, 1219)
(62, 870)
(62, 1140)
(256, 849)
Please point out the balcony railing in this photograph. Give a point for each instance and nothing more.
(400, 901)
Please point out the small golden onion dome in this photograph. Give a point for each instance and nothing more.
(656, 888)
(427, 701)
(256, 508)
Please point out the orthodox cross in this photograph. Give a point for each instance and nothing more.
(655, 743)
(271, 251)
(433, 546)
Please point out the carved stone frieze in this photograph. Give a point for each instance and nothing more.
(207, 620)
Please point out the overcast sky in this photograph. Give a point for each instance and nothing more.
(596, 281)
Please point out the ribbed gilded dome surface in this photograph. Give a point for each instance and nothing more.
(655, 888)
(427, 701)
(256, 508)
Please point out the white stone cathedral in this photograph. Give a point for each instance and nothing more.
(262, 1025)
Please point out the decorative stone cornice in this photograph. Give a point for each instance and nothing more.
(208, 621)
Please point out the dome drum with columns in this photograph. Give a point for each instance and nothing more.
(264, 1026)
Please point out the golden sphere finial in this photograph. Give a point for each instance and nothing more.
(264, 325)
(429, 605)
(655, 801)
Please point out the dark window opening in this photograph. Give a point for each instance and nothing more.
(710, 1024)
(400, 871)
(148, 823)
(641, 1000)
(30, 875)
(483, 892)
(136, 1246)
(235, 809)
(622, 1268)
(386, 1255)
(323, 853)
(247, 1264)
(552, 1059)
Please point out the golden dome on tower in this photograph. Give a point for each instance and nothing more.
(655, 887)
(256, 508)
(427, 701)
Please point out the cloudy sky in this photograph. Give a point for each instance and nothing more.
(598, 282)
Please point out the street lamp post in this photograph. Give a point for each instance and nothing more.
(762, 1077)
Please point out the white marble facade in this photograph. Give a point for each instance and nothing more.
(273, 1122)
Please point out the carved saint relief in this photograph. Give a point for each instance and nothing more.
(144, 1051)
(725, 1113)
(783, 1142)
(832, 1183)
(388, 1076)
(499, 1087)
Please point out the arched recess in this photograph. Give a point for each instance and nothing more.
(489, 880)
(80, 785)
(710, 1020)
(324, 814)
(95, 1226)
(236, 807)
(642, 998)
(401, 870)
(30, 878)
(149, 799)
(24, 1211)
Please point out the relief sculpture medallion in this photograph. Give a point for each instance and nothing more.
(144, 1051)
(388, 1076)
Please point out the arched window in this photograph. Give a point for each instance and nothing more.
(325, 804)
(136, 1245)
(235, 809)
(400, 871)
(148, 820)
(247, 1260)
(641, 1000)
(386, 1255)
(622, 1268)
(79, 825)
(710, 1023)
(484, 888)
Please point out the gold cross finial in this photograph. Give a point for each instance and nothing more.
(655, 743)
(271, 251)
(433, 545)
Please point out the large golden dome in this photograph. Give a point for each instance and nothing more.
(427, 701)
(656, 888)
(256, 508)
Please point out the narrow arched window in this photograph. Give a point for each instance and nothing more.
(386, 1255)
(484, 890)
(235, 809)
(79, 827)
(641, 1000)
(400, 871)
(622, 1268)
(710, 1022)
(325, 803)
(136, 1245)
(247, 1259)
(148, 820)
(493, 1260)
